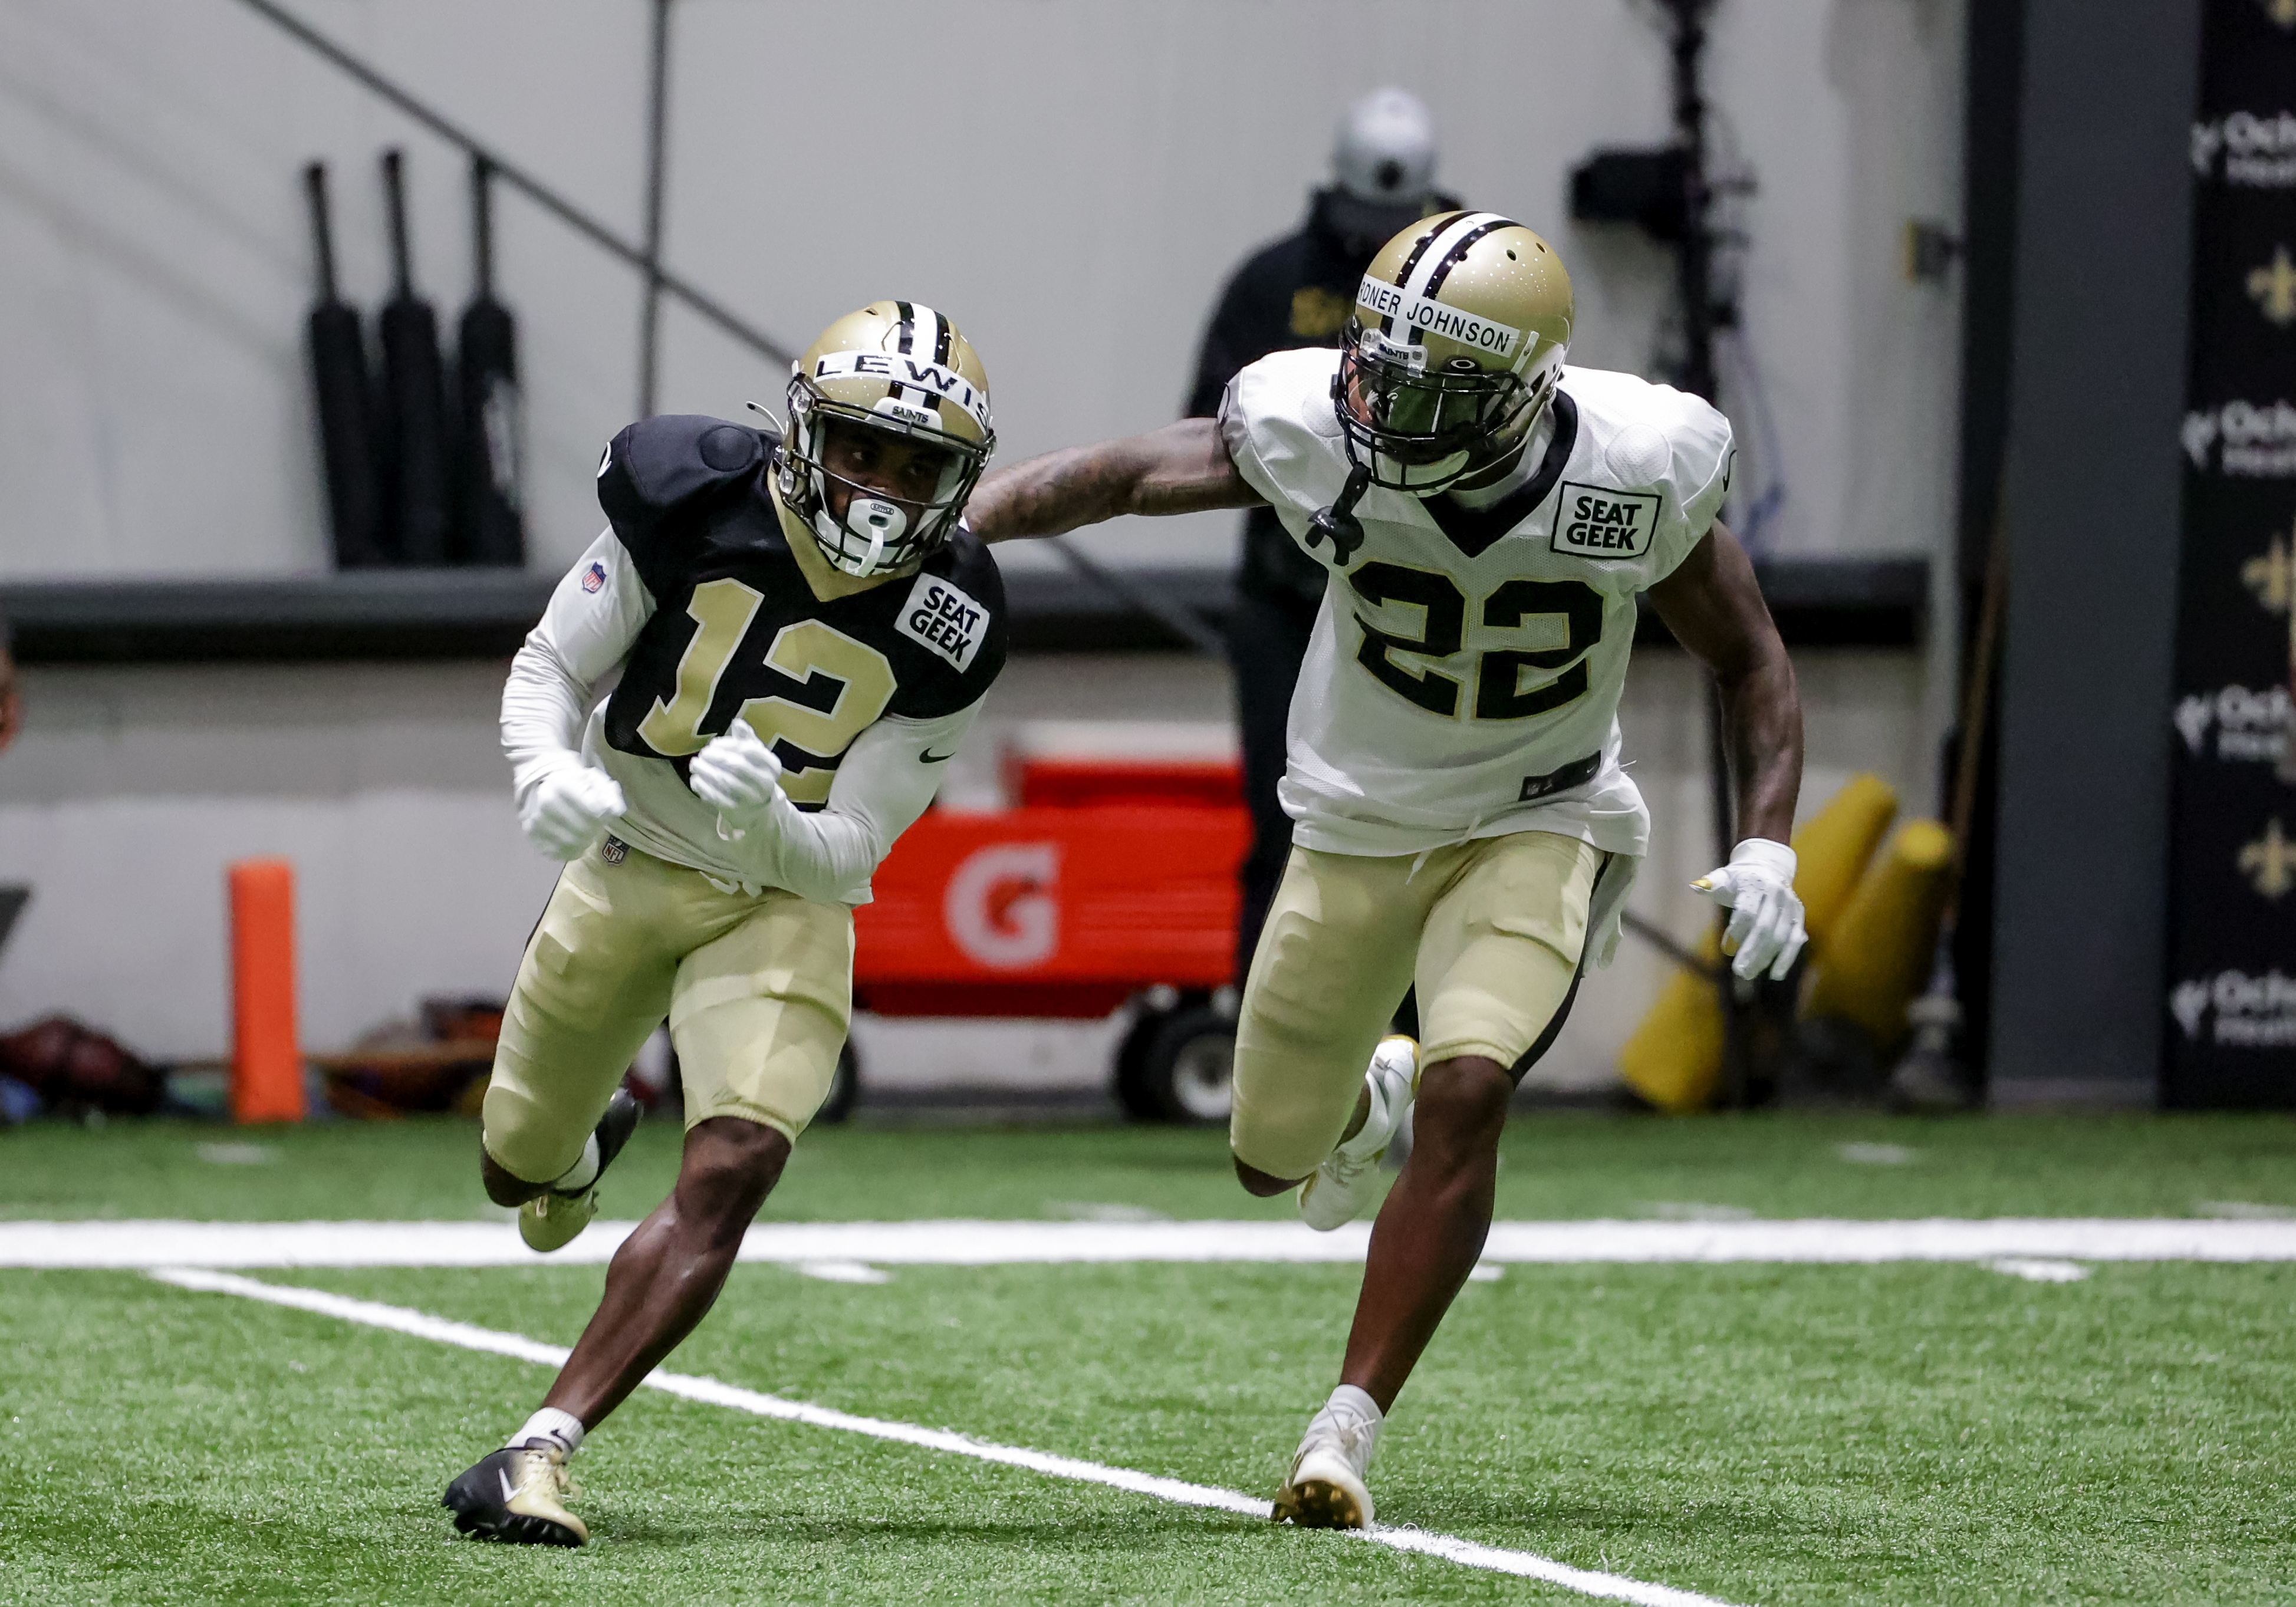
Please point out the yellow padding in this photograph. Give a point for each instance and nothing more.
(1880, 950)
(1674, 1060)
(1831, 851)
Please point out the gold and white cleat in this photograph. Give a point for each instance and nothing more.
(552, 1220)
(1344, 1185)
(1327, 1488)
(518, 1495)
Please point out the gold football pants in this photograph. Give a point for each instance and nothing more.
(1491, 931)
(759, 992)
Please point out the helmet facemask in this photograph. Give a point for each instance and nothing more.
(1417, 422)
(903, 478)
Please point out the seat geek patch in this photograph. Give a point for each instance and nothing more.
(944, 619)
(1595, 522)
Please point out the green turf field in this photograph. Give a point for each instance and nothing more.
(1902, 1433)
(1555, 1165)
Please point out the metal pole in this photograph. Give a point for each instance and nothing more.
(1694, 281)
(648, 262)
(657, 156)
(549, 199)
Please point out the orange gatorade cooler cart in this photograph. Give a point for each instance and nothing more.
(1112, 884)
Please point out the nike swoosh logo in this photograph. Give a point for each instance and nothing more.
(509, 1490)
(930, 758)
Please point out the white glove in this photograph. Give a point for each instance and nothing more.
(738, 776)
(1756, 887)
(567, 807)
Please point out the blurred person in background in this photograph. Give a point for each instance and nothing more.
(1301, 291)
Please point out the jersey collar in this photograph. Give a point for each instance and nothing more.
(1473, 530)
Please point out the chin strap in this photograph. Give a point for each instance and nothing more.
(1338, 523)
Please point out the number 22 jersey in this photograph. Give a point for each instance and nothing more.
(1464, 674)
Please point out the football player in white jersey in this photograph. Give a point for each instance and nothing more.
(802, 631)
(1463, 820)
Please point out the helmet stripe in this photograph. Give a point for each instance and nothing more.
(1442, 245)
(1458, 253)
(913, 316)
(1403, 274)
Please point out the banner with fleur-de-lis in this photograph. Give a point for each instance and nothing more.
(2231, 942)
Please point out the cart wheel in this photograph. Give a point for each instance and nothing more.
(1131, 1082)
(1188, 1065)
(844, 1087)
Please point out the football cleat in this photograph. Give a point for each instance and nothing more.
(518, 1495)
(552, 1219)
(1344, 1185)
(1327, 1488)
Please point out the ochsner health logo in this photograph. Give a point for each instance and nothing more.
(2248, 440)
(2249, 725)
(2258, 151)
(2250, 1013)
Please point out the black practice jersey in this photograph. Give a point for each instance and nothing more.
(736, 624)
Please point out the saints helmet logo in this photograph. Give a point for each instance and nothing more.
(2269, 863)
(2273, 287)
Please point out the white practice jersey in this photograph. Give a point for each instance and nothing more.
(1462, 678)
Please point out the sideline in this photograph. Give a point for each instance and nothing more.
(143, 1245)
(400, 1319)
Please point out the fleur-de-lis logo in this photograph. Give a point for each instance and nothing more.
(2272, 577)
(2269, 863)
(2273, 286)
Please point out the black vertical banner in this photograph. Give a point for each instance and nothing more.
(2232, 943)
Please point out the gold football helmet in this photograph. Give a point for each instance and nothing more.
(897, 370)
(1460, 328)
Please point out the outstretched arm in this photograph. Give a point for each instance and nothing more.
(1183, 468)
(1714, 607)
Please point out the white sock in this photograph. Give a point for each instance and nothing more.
(561, 1429)
(583, 1173)
(1378, 1128)
(1348, 1401)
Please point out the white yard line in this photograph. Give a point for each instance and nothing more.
(399, 1319)
(960, 1243)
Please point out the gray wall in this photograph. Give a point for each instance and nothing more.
(2092, 499)
(1071, 180)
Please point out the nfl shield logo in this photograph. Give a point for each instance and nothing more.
(613, 850)
(594, 577)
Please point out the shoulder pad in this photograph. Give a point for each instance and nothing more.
(670, 460)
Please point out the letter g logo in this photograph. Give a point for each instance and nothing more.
(1002, 906)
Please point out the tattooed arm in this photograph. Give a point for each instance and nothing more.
(1183, 468)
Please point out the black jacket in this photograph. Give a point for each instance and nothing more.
(1298, 292)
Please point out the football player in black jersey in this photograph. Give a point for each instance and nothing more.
(804, 631)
